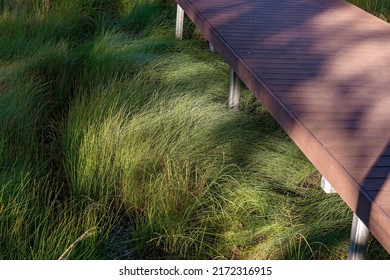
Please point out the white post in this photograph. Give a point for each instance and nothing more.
(211, 47)
(179, 22)
(234, 91)
(359, 232)
(326, 186)
(359, 240)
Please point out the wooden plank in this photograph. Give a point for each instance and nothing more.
(369, 172)
(386, 208)
(375, 184)
(354, 141)
(310, 99)
(329, 111)
(345, 150)
(366, 161)
(324, 132)
(347, 125)
(381, 197)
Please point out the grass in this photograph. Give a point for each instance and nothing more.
(116, 142)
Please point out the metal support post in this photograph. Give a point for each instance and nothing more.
(234, 91)
(326, 186)
(359, 232)
(211, 47)
(359, 240)
(179, 22)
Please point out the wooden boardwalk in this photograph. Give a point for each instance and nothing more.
(322, 69)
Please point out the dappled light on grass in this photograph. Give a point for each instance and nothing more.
(116, 142)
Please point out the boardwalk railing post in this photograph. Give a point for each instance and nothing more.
(234, 91)
(179, 22)
(359, 240)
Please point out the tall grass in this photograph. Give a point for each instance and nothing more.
(181, 166)
(116, 142)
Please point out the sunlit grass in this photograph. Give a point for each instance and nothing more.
(117, 142)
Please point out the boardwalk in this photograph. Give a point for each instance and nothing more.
(322, 69)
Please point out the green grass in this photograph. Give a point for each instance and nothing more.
(116, 142)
